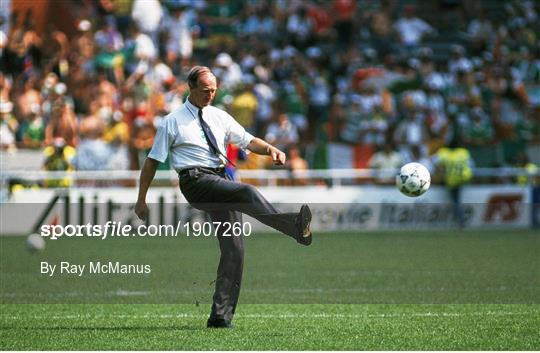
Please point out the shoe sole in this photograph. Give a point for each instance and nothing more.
(305, 218)
(219, 325)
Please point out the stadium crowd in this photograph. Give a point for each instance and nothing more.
(396, 79)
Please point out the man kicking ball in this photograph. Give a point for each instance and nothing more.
(195, 137)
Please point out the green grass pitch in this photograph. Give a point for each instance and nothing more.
(423, 290)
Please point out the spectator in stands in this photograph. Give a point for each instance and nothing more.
(462, 96)
(147, 14)
(458, 62)
(47, 93)
(454, 164)
(246, 60)
(159, 76)
(436, 118)
(381, 29)
(529, 71)
(62, 124)
(221, 16)
(387, 159)
(345, 11)
(32, 131)
(121, 10)
(533, 144)
(433, 85)
(259, 22)
(530, 170)
(282, 133)
(58, 47)
(142, 134)
(178, 29)
(5, 86)
(116, 135)
(24, 47)
(108, 38)
(411, 29)
(297, 76)
(83, 45)
(92, 152)
(479, 131)
(244, 104)
(301, 28)
(3, 42)
(375, 105)
(480, 31)
(145, 49)
(351, 116)
(266, 97)
(296, 164)
(318, 103)
(8, 126)
(337, 121)
(293, 97)
(412, 129)
(58, 157)
(106, 88)
(426, 66)
(137, 86)
(322, 19)
(227, 71)
(28, 98)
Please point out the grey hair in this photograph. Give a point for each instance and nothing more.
(195, 73)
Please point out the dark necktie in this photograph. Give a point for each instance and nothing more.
(210, 138)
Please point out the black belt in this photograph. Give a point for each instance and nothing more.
(185, 171)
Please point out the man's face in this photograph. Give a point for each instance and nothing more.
(204, 93)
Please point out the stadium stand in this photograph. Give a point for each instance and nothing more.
(101, 75)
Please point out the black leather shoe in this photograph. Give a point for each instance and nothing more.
(219, 323)
(303, 222)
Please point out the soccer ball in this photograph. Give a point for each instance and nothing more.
(35, 242)
(413, 179)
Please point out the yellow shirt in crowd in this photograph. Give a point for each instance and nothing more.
(456, 163)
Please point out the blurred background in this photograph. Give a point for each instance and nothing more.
(339, 84)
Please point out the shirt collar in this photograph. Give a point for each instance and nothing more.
(191, 107)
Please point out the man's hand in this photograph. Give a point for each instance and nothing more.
(278, 157)
(264, 148)
(141, 210)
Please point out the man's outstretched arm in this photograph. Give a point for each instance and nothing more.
(148, 172)
(260, 146)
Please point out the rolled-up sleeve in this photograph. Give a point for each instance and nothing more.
(162, 141)
(236, 134)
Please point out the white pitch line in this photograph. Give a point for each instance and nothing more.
(318, 290)
(277, 316)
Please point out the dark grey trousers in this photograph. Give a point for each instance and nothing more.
(225, 201)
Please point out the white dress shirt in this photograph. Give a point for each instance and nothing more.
(181, 134)
(411, 30)
(147, 14)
